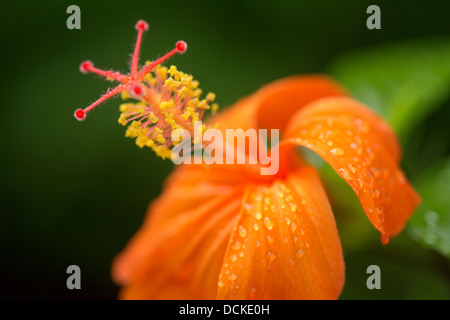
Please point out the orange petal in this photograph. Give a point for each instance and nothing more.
(182, 256)
(272, 106)
(280, 100)
(362, 149)
(285, 244)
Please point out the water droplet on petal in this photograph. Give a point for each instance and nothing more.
(293, 206)
(352, 168)
(272, 256)
(232, 277)
(220, 284)
(270, 240)
(268, 223)
(233, 258)
(288, 221)
(344, 173)
(360, 182)
(293, 226)
(300, 253)
(258, 215)
(256, 227)
(236, 246)
(242, 232)
(337, 152)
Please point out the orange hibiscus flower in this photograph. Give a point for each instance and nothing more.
(227, 232)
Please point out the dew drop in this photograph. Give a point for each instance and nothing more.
(220, 284)
(344, 174)
(337, 152)
(233, 258)
(352, 168)
(268, 223)
(288, 221)
(360, 182)
(272, 256)
(258, 215)
(256, 227)
(431, 217)
(293, 226)
(257, 244)
(291, 262)
(242, 232)
(270, 240)
(236, 246)
(430, 238)
(300, 253)
(241, 254)
(329, 143)
(232, 277)
(293, 207)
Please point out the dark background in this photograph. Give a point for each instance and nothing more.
(75, 193)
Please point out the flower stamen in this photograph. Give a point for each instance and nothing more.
(168, 99)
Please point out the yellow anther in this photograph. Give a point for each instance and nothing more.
(125, 95)
(172, 70)
(183, 92)
(210, 97)
(153, 118)
(197, 93)
(148, 76)
(141, 141)
(214, 108)
(161, 72)
(122, 120)
(203, 104)
(124, 107)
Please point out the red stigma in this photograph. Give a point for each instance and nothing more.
(181, 46)
(85, 66)
(137, 90)
(141, 25)
(79, 114)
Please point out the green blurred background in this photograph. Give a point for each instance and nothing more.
(75, 193)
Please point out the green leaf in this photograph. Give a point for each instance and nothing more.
(402, 82)
(430, 225)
